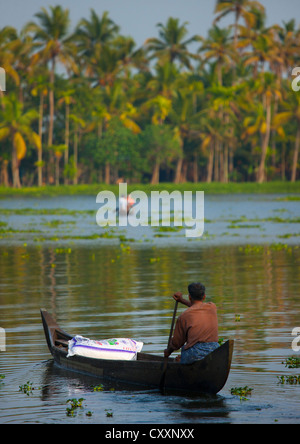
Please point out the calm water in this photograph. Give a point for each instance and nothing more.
(100, 285)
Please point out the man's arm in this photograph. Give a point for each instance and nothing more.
(178, 339)
(178, 297)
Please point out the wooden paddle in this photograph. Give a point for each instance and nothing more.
(163, 376)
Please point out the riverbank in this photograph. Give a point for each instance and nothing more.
(210, 188)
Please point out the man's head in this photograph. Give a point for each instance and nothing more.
(197, 291)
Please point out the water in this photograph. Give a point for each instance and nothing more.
(104, 287)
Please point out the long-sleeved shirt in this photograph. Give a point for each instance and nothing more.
(199, 323)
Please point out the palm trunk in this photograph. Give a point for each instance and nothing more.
(15, 169)
(283, 150)
(216, 171)
(236, 23)
(107, 173)
(184, 171)
(295, 157)
(225, 167)
(51, 117)
(221, 166)
(75, 178)
(57, 170)
(195, 168)
(40, 151)
(210, 164)
(67, 137)
(178, 171)
(155, 174)
(266, 139)
(4, 173)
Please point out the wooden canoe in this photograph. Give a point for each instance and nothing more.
(208, 375)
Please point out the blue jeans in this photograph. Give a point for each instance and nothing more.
(197, 352)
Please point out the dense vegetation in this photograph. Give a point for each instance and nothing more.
(87, 106)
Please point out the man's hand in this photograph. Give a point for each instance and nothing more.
(166, 353)
(178, 297)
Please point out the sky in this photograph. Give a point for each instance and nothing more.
(138, 18)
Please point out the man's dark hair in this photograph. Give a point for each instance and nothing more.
(196, 291)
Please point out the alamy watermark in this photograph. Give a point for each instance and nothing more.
(296, 341)
(2, 79)
(296, 81)
(155, 210)
(2, 340)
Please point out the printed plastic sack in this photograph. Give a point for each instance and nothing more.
(118, 348)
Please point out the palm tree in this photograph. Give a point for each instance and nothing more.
(171, 45)
(217, 48)
(227, 99)
(209, 132)
(187, 89)
(51, 36)
(263, 51)
(240, 8)
(15, 125)
(58, 150)
(291, 115)
(269, 90)
(92, 36)
(258, 107)
(40, 88)
(66, 98)
(8, 36)
(94, 33)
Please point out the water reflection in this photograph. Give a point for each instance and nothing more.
(115, 288)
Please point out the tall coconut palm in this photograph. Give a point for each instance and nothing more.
(95, 32)
(66, 98)
(91, 36)
(40, 88)
(50, 33)
(240, 8)
(8, 36)
(15, 125)
(218, 48)
(172, 46)
(291, 115)
(258, 107)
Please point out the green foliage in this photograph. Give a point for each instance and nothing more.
(292, 362)
(27, 388)
(222, 112)
(242, 392)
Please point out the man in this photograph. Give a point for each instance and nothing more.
(196, 330)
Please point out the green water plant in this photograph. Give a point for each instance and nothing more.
(242, 392)
(98, 388)
(289, 379)
(292, 362)
(27, 388)
(74, 404)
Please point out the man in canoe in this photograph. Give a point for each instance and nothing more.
(196, 330)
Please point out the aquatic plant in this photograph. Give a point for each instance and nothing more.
(98, 388)
(27, 388)
(74, 405)
(292, 362)
(290, 379)
(154, 259)
(242, 392)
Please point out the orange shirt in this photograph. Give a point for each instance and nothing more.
(199, 323)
